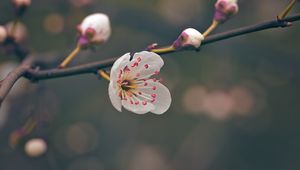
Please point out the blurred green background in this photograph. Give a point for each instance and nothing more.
(235, 103)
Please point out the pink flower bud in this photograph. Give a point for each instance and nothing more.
(224, 9)
(17, 31)
(21, 6)
(21, 3)
(94, 29)
(189, 37)
(3, 34)
(81, 3)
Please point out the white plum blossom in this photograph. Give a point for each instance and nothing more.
(94, 28)
(189, 37)
(132, 87)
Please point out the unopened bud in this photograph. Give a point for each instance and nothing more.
(18, 31)
(21, 6)
(35, 147)
(3, 34)
(224, 9)
(20, 3)
(94, 29)
(189, 37)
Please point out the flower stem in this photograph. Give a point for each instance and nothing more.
(29, 126)
(163, 49)
(104, 75)
(288, 8)
(213, 26)
(70, 57)
(23, 131)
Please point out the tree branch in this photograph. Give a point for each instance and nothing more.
(26, 68)
(93, 67)
(7, 83)
(70, 71)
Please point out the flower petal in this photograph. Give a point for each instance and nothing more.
(144, 64)
(114, 97)
(118, 65)
(136, 105)
(160, 94)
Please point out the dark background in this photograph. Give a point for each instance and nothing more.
(235, 103)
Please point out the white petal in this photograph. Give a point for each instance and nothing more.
(148, 63)
(163, 97)
(137, 108)
(114, 97)
(119, 64)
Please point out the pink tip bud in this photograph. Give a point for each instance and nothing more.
(189, 37)
(21, 6)
(224, 9)
(21, 3)
(17, 31)
(94, 29)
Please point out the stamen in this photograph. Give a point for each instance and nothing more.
(126, 69)
(152, 101)
(132, 87)
(145, 96)
(135, 64)
(137, 100)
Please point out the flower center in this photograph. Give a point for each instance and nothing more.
(127, 85)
